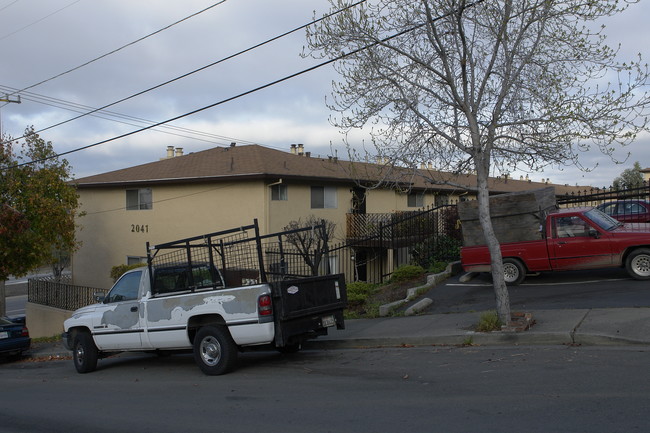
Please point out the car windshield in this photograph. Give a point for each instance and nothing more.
(603, 220)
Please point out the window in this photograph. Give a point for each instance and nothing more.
(323, 197)
(279, 192)
(609, 208)
(415, 199)
(135, 260)
(126, 289)
(177, 278)
(573, 226)
(139, 199)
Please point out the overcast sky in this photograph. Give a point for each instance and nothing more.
(40, 39)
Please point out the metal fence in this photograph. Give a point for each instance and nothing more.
(598, 196)
(60, 293)
(377, 244)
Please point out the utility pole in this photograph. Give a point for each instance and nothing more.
(3, 294)
(7, 99)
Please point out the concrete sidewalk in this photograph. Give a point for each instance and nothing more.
(611, 326)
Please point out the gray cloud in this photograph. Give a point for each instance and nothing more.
(291, 112)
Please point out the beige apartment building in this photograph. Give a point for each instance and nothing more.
(224, 187)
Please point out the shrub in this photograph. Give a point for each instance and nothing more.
(437, 267)
(359, 291)
(117, 271)
(406, 273)
(434, 249)
(489, 321)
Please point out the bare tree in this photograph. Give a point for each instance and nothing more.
(312, 245)
(483, 86)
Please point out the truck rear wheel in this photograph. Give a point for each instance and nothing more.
(637, 264)
(84, 352)
(513, 271)
(214, 350)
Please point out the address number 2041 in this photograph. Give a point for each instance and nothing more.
(139, 228)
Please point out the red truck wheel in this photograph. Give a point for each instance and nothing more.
(637, 264)
(513, 271)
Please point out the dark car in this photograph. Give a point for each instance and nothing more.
(629, 211)
(14, 336)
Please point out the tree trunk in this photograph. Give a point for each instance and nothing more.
(500, 289)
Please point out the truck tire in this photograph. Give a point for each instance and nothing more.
(513, 272)
(215, 352)
(84, 352)
(637, 264)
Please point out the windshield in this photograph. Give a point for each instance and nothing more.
(603, 220)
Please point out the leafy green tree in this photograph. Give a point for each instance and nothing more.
(630, 178)
(38, 207)
(482, 87)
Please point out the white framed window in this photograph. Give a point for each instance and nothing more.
(415, 199)
(323, 197)
(139, 199)
(135, 260)
(279, 192)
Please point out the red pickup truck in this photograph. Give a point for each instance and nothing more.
(571, 239)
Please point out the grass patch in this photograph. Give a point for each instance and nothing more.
(52, 339)
(489, 321)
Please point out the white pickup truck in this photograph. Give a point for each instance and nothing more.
(211, 294)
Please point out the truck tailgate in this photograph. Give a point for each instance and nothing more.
(307, 296)
(307, 307)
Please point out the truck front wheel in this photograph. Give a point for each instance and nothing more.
(513, 271)
(214, 350)
(84, 352)
(637, 264)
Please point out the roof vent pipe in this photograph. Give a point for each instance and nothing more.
(179, 151)
(170, 151)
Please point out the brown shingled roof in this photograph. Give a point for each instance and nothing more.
(258, 162)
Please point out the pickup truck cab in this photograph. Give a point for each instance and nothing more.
(570, 239)
(209, 294)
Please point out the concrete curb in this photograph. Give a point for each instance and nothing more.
(412, 293)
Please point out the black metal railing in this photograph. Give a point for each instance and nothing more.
(376, 244)
(60, 293)
(597, 196)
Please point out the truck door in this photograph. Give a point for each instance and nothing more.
(576, 244)
(117, 324)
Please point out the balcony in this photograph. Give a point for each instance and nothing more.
(399, 229)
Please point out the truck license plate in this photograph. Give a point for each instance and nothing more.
(4, 334)
(327, 321)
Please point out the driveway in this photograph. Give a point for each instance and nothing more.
(606, 288)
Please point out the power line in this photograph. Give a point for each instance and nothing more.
(12, 3)
(123, 46)
(224, 59)
(37, 21)
(248, 92)
(124, 119)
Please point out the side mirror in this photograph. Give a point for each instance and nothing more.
(593, 233)
(99, 297)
